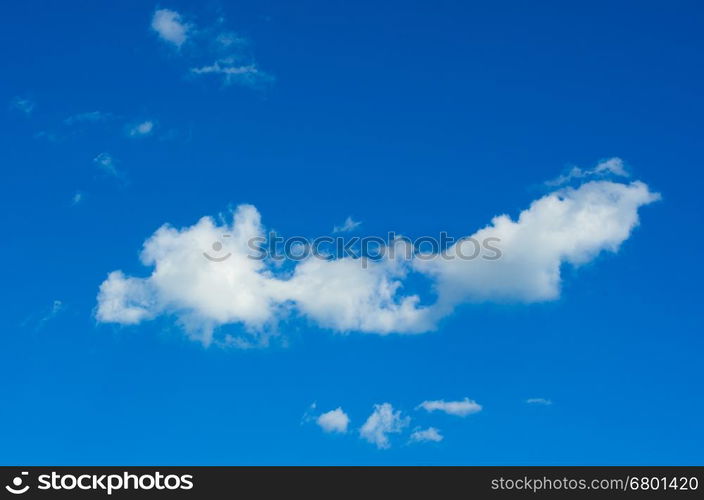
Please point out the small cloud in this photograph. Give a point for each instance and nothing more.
(48, 136)
(77, 198)
(89, 117)
(538, 401)
(334, 421)
(107, 163)
(349, 225)
(47, 315)
(382, 422)
(184, 136)
(229, 39)
(170, 26)
(309, 415)
(56, 307)
(430, 434)
(458, 408)
(257, 341)
(611, 166)
(141, 129)
(23, 104)
(232, 72)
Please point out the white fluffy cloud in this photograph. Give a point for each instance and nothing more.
(568, 226)
(334, 421)
(170, 26)
(205, 294)
(459, 408)
(431, 434)
(382, 422)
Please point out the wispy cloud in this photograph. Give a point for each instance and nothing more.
(230, 70)
(56, 307)
(382, 422)
(612, 166)
(212, 50)
(89, 117)
(431, 434)
(538, 401)
(459, 408)
(38, 320)
(49, 136)
(23, 105)
(74, 125)
(106, 163)
(77, 198)
(349, 225)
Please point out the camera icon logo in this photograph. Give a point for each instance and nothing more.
(16, 488)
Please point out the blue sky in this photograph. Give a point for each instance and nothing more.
(413, 117)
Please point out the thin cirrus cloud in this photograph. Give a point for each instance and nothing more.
(431, 434)
(107, 163)
(382, 422)
(56, 308)
(349, 225)
(39, 320)
(88, 117)
(612, 166)
(75, 124)
(334, 421)
(538, 401)
(23, 105)
(458, 408)
(231, 71)
(572, 225)
(209, 51)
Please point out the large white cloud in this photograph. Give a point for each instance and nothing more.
(571, 225)
(204, 294)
